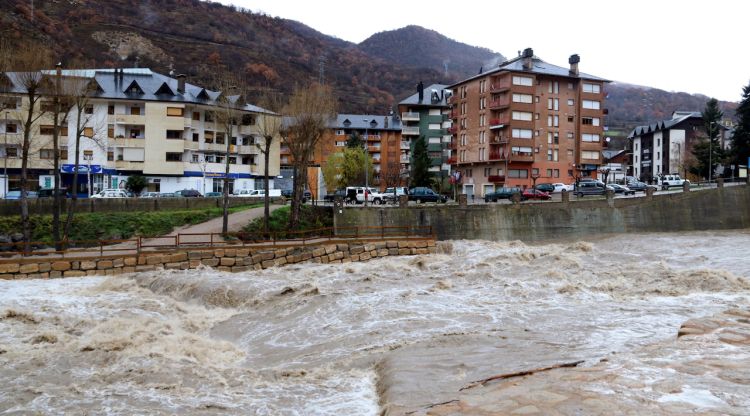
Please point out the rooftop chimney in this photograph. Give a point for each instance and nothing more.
(385, 122)
(573, 61)
(420, 91)
(527, 56)
(181, 83)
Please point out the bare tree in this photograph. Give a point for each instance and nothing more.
(227, 113)
(309, 111)
(28, 63)
(269, 126)
(391, 173)
(61, 105)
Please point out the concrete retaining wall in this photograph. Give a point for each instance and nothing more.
(44, 205)
(721, 208)
(226, 259)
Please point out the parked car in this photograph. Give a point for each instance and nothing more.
(213, 194)
(339, 193)
(534, 194)
(110, 193)
(49, 193)
(559, 187)
(167, 195)
(286, 193)
(188, 193)
(590, 188)
(639, 186)
(17, 195)
(668, 181)
(501, 193)
(424, 194)
(358, 194)
(620, 189)
(258, 193)
(150, 195)
(545, 187)
(392, 194)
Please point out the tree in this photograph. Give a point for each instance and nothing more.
(355, 141)
(309, 111)
(346, 168)
(391, 173)
(420, 168)
(135, 184)
(740, 149)
(269, 126)
(709, 152)
(61, 105)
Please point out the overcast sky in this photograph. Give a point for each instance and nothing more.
(691, 46)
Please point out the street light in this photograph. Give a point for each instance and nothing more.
(367, 189)
(5, 158)
(88, 158)
(710, 152)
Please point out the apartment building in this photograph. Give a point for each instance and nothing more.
(526, 120)
(382, 133)
(137, 121)
(427, 114)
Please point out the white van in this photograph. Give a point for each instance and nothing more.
(357, 194)
(256, 193)
(667, 181)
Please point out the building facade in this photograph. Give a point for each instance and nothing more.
(136, 121)
(426, 115)
(526, 121)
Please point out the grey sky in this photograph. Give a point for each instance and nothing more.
(691, 46)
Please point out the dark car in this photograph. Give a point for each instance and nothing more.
(286, 193)
(49, 193)
(546, 187)
(590, 188)
(339, 193)
(534, 194)
(424, 194)
(501, 193)
(189, 193)
(214, 194)
(639, 186)
(619, 189)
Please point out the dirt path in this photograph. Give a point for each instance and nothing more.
(236, 222)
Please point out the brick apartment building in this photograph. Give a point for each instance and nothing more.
(525, 121)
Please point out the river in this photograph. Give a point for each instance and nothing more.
(398, 334)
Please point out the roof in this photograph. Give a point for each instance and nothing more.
(137, 84)
(369, 121)
(678, 117)
(538, 67)
(434, 96)
(609, 154)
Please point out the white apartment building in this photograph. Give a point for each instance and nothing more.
(136, 121)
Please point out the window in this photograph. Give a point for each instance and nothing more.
(570, 134)
(209, 158)
(587, 137)
(570, 85)
(135, 111)
(46, 154)
(555, 155)
(481, 154)
(110, 109)
(208, 117)
(518, 173)
(522, 134)
(209, 137)
(195, 158)
(549, 103)
(46, 130)
(11, 151)
(196, 115)
(591, 105)
(175, 111)
(89, 109)
(482, 103)
(522, 115)
(589, 155)
(525, 81)
(521, 150)
(535, 171)
(590, 121)
(556, 173)
(340, 144)
(549, 173)
(522, 98)
(570, 154)
(196, 136)
(174, 157)
(11, 128)
(340, 132)
(571, 119)
(110, 156)
(571, 101)
(88, 132)
(232, 160)
(174, 134)
(549, 154)
(110, 130)
(556, 104)
(219, 138)
(592, 88)
(481, 120)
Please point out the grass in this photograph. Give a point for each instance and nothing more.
(117, 225)
(311, 218)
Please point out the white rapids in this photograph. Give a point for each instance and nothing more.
(391, 334)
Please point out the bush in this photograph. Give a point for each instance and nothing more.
(311, 218)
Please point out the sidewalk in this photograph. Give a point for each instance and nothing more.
(235, 224)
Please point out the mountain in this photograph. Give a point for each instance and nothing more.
(417, 47)
(199, 38)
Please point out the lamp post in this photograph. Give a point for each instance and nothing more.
(90, 180)
(367, 189)
(5, 158)
(710, 152)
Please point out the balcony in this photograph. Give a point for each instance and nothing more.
(500, 122)
(192, 145)
(452, 160)
(500, 86)
(128, 165)
(454, 114)
(453, 130)
(127, 119)
(521, 157)
(373, 149)
(410, 131)
(453, 145)
(405, 146)
(496, 178)
(122, 142)
(410, 116)
(496, 155)
(188, 122)
(499, 140)
(499, 103)
(404, 159)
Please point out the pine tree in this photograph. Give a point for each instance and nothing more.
(420, 168)
(740, 149)
(355, 141)
(709, 152)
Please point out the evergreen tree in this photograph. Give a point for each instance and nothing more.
(420, 167)
(740, 150)
(709, 152)
(355, 141)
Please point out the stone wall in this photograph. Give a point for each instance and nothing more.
(720, 208)
(224, 259)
